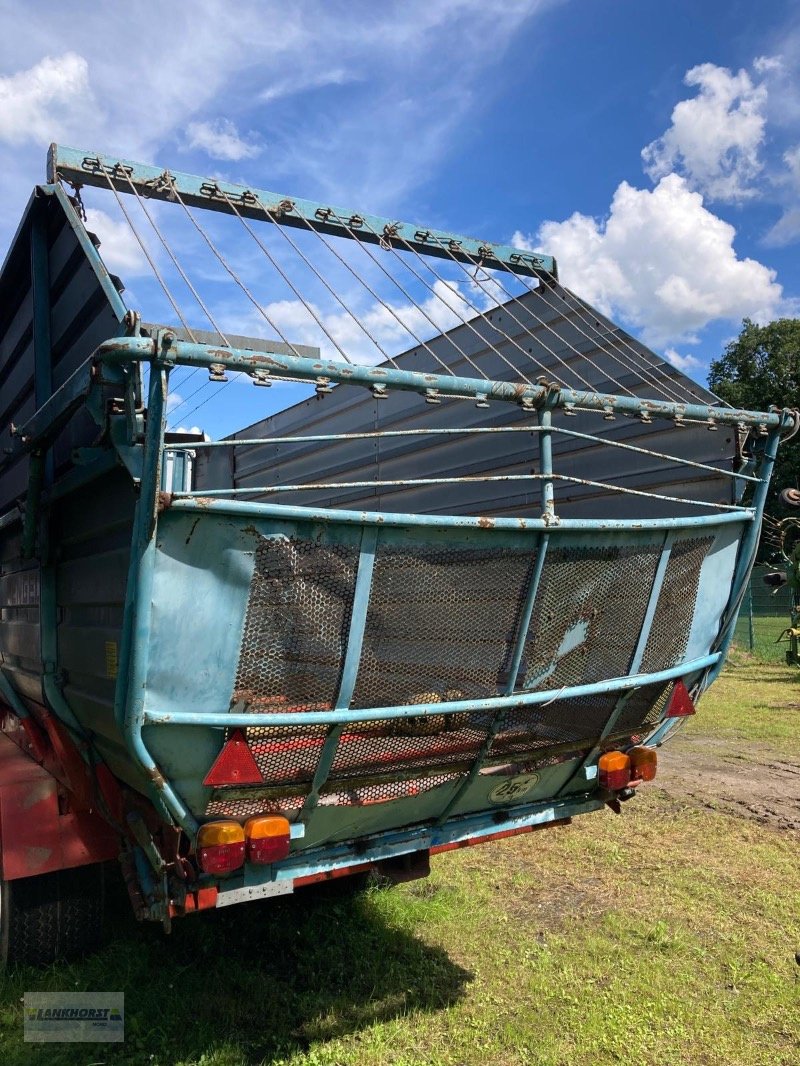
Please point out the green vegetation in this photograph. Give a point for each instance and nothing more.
(766, 631)
(760, 369)
(665, 937)
(754, 702)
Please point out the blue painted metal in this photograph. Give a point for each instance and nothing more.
(165, 744)
(185, 353)
(131, 350)
(88, 168)
(748, 549)
(527, 613)
(136, 646)
(401, 842)
(243, 508)
(546, 461)
(352, 661)
(231, 720)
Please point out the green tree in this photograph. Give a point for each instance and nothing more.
(761, 369)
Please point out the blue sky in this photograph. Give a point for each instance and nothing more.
(653, 148)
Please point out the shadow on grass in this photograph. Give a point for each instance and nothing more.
(253, 983)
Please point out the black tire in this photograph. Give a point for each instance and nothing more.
(52, 916)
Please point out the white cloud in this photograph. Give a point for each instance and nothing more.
(421, 68)
(661, 260)
(787, 228)
(118, 246)
(716, 137)
(292, 86)
(221, 140)
(390, 327)
(681, 362)
(45, 101)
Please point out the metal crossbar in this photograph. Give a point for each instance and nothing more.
(82, 168)
(380, 434)
(483, 273)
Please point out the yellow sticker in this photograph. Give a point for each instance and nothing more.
(112, 658)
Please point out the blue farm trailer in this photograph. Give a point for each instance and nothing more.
(480, 553)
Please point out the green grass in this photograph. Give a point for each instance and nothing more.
(753, 702)
(665, 936)
(767, 630)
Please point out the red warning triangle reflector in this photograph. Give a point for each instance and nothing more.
(235, 764)
(680, 703)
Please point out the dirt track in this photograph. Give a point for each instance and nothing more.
(756, 783)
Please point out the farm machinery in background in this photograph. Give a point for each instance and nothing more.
(786, 534)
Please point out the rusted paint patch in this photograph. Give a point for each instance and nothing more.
(164, 501)
(156, 777)
(486, 523)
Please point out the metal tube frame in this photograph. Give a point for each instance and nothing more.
(86, 168)
(164, 352)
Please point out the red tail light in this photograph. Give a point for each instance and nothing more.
(268, 838)
(644, 762)
(614, 770)
(220, 847)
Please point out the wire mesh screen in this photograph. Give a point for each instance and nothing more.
(572, 726)
(296, 625)
(589, 613)
(441, 626)
(669, 634)
(346, 794)
(441, 623)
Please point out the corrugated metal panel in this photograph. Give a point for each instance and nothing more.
(348, 410)
(92, 527)
(81, 317)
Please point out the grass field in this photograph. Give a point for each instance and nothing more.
(767, 631)
(664, 936)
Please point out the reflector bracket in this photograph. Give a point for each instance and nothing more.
(235, 764)
(680, 702)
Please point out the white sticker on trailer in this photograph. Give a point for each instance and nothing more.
(251, 892)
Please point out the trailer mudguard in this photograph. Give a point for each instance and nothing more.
(37, 834)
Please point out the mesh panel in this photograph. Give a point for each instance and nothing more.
(296, 627)
(643, 709)
(222, 806)
(440, 626)
(382, 791)
(589, 612)
(576, 723)
(441, 623)
(672, 621)
(392, 746)
(286, 756)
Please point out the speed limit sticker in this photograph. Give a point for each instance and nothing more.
(513, 788)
